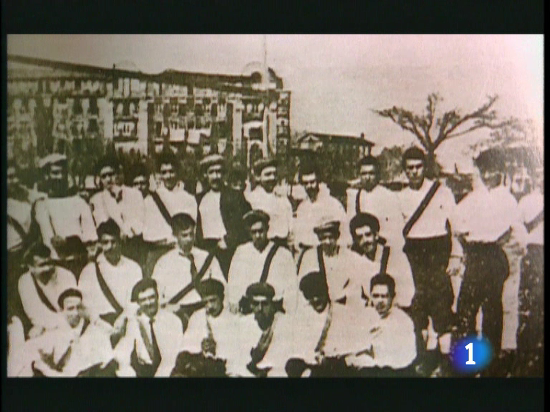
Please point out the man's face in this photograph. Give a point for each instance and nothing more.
(414, 169)
(490, 178)
(520, 182)
(72, 310)
(107, 177)
(13, 181)
(214, 305)
(214, 177)
(263, 310)
(168, 175)
(142, 184)
(42, 266)
(268, 178)
(311, 185)
(381, 299)
(110, 245)
(186, 239)
(365, 239)
(148, 301)
(57, 177)
(328, 240)
(318, 302)
(369, 176)
(238, 185)
(258, 234)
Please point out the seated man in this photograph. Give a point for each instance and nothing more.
(212, 329)
(388, 335)
(153, 336)
(79, 347)
(40, 288)
(263, 344)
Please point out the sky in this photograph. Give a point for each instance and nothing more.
(337, 80)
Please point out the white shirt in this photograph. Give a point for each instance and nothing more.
(382, 203)
(309, 213)
(92, 348)
(38, 313)
(432, 222)
(277, 207)
(128, 213)
(392, 339)
(308, 328)
(176, 201)
(169, 335)
(66, 216)
(247, 266)
(21, 212)
(343, 270)
(120, 280)
(173, 272)
(211, 216)
(530, 206)
(485, 215)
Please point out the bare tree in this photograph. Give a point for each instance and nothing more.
(431, 130)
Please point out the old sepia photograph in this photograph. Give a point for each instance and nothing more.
(275, 206)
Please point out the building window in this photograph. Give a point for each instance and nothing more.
(93, 109)
(182, 109)
(93, 127)
(199, 111)
(158, 128)
(214, 110)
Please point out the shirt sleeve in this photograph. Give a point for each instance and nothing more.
(123, 350)
(43, 219)
(34, 308)
(161, 270)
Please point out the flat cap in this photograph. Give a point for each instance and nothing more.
(364, 219)
(254, 216)
(260, 289)
(313, 284)
(210, 287)
(327, 223)
(210, 160)
(261, 164)
(52, 159)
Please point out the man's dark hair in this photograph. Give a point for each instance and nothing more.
(313, 284)
(71, 292)
(413, 153)
(364, 219)
(143, 285)
(308, 167)
(383, 279)
(370, 160)
(37, 249)
(139, 169)
(108, 227)
(211, 287)
(107, 161)
(168, 158)
(490, 159)
(182, 221)
(237, 173)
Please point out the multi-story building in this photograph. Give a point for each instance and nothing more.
(52, 103)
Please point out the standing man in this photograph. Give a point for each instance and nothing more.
(180, 270)
(160, 206)
(312, 207)
(107, 283)
(378, 258)
(341, 267)
(40, 288)
(65, 221)
(219, 208)
(531, 333)
(277, 207)
(153, 336)
(427, 207)
(261, 260)
(122, 204)
(486, 219)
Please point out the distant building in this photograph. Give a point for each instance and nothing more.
(52, 103)
(354, 147)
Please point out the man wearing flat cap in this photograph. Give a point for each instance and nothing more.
(179, 271)
(264, 341)
(341, 267)
(277, 207)
(219, 207)
(65, 221)
(261, 260)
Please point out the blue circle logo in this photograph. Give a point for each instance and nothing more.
(471, 354)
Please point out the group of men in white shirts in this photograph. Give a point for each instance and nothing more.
(143, 282)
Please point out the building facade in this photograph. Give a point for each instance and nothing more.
(53, 105)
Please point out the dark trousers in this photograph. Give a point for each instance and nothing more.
(154, 252)
(484, 276)
(531, 301)
(433, 291)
